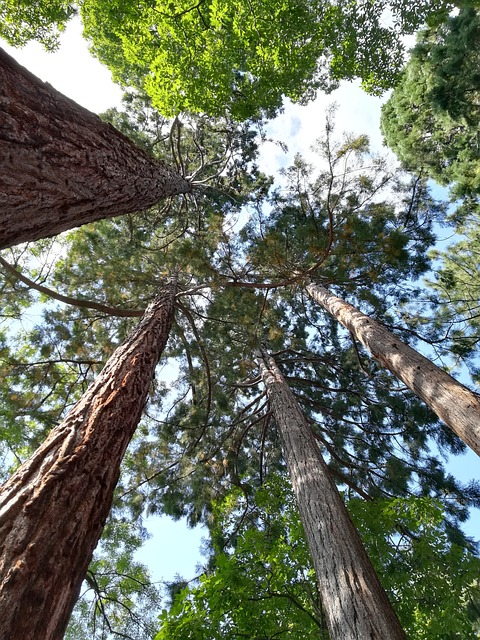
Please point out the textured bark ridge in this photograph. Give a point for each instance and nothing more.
(453, 403)
(356, 606)
(61, 166)
(53, 509)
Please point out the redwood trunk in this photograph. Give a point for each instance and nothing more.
(453, 403)
(61, 166)
(356, 606)
(53, 509)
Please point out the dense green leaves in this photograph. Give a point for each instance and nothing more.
(265, 585)
(243, 58)
(434, 584)
(42, 20)
(431, 119)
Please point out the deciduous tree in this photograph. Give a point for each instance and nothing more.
(243, 58)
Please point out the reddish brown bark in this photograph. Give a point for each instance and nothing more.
(61, 166)
(453, 403)
(53, 509)
(356, 606)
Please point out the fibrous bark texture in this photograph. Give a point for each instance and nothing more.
(453, 403)
(53, 509)
(356, 606)
(61, 166)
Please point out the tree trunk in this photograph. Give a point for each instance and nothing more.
(356, 606)
(453, 403)
(53, 509)
(61, 166)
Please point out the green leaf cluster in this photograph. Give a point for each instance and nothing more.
(244, 58)
(431, 120)
(265, 585)
(41, 20)
(433, 583)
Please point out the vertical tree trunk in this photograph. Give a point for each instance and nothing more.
(355, 603)
(61, 166)
(453, 403)
(53, 509)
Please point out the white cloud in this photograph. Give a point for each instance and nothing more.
(300, 126)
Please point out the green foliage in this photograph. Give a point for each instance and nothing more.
(266, 585)
(431, 120)
(118, 597)
(456, 295)
(243, 58)
(42, 20)
(433, 583)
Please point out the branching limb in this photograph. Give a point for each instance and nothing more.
(77, 302)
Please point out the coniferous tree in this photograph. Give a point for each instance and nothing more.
(354, 601)
(455, 294)
(431, 119)
(210, 428)
(61, 166)
(454, 403)
(54, 507)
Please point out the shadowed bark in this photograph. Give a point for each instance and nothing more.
(61, 166)
(356, 606)
(453, 403)
(53, 509)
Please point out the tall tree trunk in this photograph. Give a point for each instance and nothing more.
(53, 509)
(61, 166)
(355, 603)
(453, 403)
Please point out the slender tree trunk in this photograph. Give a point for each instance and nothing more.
(355, 603)
(61, 166)
(53, 509)
(453, 403)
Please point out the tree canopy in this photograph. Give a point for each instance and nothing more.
(233, 58)
(431, 119)
(244, 250)
(244, 58)
(41, 20)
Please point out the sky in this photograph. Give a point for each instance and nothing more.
(78, 75)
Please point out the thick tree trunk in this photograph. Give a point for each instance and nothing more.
(453, 403)
(355, 603)
(61, 166)
(53, 509)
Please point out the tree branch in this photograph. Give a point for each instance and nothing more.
(77, 302)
